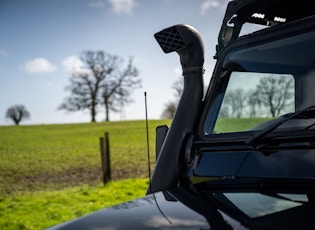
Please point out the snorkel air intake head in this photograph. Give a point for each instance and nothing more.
(186, 41)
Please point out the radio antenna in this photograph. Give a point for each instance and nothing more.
(148, 144)
(148, 150)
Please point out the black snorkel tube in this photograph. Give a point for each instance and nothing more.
(186, 41)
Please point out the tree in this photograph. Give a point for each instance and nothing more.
(169, 111)
(236, 99)
(116, 91)
(170, 107)
(224, 112)
(275, 93)
(102, 81)
(253, 102)
(17, 113)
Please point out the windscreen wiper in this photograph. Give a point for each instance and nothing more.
(261, 133)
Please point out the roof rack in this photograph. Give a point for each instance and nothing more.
(262, 12)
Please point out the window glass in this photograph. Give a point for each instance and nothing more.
(253, 98)
(263, 81)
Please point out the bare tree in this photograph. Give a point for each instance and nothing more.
(275, 93)
(224, 112)
(178, 86)
(170, 107)
(236, 99)
(17, 113)
(102, 81)
(116, 91)
(169, 111)
(253, 103)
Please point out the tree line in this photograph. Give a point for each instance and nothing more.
(272, 96)
(104, 81)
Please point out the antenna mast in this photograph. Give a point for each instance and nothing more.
(147, 129)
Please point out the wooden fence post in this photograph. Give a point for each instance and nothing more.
(105, 158)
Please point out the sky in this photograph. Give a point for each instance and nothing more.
(41, 42)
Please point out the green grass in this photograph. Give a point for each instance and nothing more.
(39, 210)
(226, 125)
(58, 156)
(52, 173)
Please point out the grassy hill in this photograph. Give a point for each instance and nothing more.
(42, 157)
(52, 173)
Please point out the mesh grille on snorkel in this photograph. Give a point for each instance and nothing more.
(186, 41)
(170, 40)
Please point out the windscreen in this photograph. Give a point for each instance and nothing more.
(262, 83)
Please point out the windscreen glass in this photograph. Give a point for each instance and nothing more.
(252, 98)
(263, 83)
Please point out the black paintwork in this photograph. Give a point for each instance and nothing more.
(214, 208)
(143, 213)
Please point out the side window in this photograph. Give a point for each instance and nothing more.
(251, 99)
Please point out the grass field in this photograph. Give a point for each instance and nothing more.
(57, 156)
(41, 209)
(52, 173)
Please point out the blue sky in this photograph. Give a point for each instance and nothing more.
(41, 41)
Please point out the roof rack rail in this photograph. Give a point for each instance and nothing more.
(262, 12)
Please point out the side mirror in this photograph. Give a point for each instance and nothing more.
(161, 132)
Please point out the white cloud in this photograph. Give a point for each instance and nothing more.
(208, 4)
(117, 6)
(122, 6)
(73, 65)
(39, 65)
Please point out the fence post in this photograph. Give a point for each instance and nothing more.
(105, 158)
